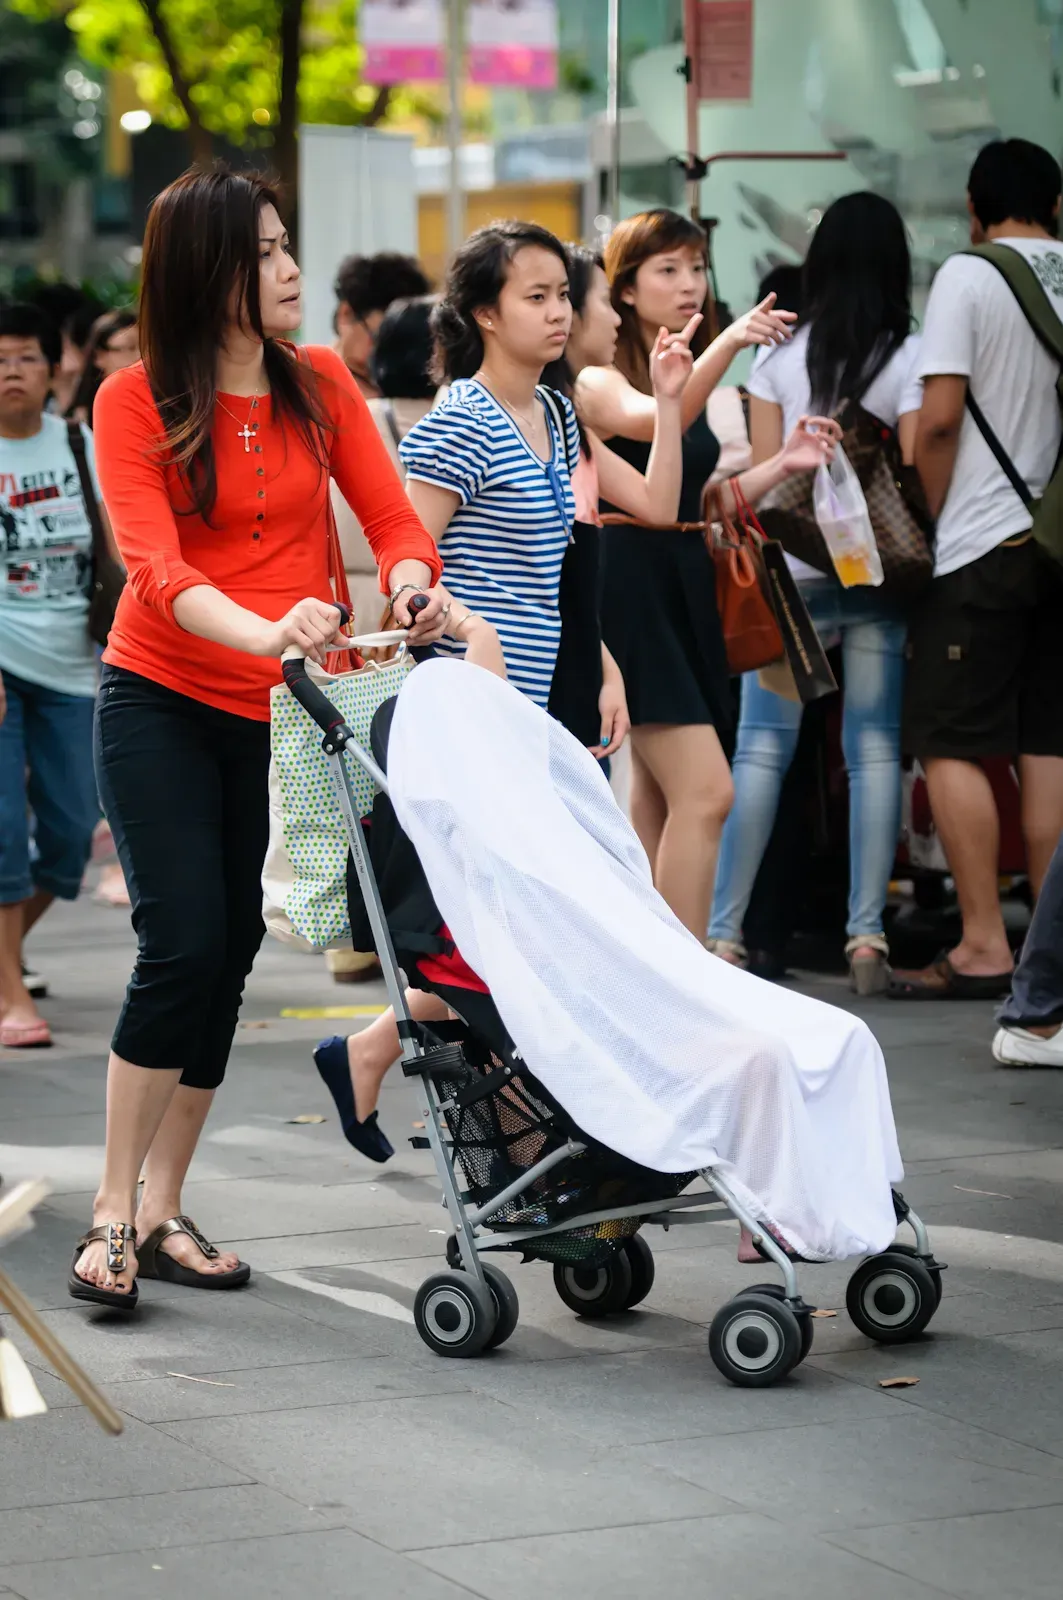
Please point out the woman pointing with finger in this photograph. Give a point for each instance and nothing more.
(214, 455)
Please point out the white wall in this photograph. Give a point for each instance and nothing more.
(357, 195)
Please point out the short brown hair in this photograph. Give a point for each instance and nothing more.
(631, 243)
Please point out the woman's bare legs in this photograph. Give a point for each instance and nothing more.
(375, 1050)
(649, 811)
(165, 1169)
(138, 1099)
(689, 768)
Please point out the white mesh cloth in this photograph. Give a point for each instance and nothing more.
(656, 1048)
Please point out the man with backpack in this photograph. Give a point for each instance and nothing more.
(47, 660)
(986, 645)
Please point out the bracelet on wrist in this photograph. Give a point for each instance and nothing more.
(402, 588)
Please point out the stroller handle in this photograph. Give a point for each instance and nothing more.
(309, 696)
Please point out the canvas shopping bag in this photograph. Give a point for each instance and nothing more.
(304, 879)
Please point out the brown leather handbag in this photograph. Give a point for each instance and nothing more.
(750, 629)
(900, 518)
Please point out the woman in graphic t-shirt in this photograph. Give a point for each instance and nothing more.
(853, 342)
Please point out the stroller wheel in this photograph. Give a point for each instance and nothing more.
(595, 1291)
(507, 1306)
(934, 1268)
(640, 1260)
(453, 1315)
(891, 1297)
(755, 1340)
(804, 1320)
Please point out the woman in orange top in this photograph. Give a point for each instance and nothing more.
(214, 456)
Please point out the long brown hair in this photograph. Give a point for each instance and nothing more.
(201, 259)
(631, 243)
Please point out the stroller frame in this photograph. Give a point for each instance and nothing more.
(755, 1339)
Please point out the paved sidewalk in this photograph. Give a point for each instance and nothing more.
(330, 1454)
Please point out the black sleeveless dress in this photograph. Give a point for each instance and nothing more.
(659, 615)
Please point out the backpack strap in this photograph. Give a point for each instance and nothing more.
(552, 401)
(76, 440)
(1025, 285)
(1040, 314)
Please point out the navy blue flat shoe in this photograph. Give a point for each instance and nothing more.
(368, 1137)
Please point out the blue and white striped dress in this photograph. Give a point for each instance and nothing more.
(503, 548)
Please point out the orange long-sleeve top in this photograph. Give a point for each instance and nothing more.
(266, 546)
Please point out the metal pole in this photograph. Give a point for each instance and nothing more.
(455, 57)
(612, 113)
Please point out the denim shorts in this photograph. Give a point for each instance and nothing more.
(45, 773)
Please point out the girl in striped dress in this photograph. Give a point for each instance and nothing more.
(488, 471)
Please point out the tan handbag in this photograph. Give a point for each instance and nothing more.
(750, 628)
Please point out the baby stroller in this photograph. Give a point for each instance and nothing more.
(518, 1175)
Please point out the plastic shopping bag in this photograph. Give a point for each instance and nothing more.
(845, 523)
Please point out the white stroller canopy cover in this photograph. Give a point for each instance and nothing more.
(655, 1048)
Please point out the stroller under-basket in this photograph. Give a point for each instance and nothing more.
(518, 1175)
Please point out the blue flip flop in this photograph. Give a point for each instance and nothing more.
(368, 1137)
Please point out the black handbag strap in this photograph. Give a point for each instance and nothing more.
(1004, 461)
(392, 421)
(100, 549)
(549, 399)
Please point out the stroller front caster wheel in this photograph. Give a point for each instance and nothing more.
(640, 1260)
(596, 1291)
(755, 1340)
(507, 1306)
(453, 1315)
(891, 1297)
(775, 1291)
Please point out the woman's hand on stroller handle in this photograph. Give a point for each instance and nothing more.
(422, 611)
(308, 629)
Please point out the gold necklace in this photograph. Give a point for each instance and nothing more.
(525, 422)
(246, 433)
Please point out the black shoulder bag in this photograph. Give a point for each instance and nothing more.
(108, 578)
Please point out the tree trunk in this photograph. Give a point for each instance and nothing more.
(200, 140)
(285, 137)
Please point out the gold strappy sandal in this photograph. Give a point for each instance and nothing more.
(119, 1238)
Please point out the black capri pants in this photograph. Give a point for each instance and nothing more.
(184, 789)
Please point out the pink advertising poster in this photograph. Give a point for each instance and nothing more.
(722, 49)
(512, 43)
(404, 41)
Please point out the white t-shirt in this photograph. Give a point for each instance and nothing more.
(974, 329)
(780, 374)
(45, 561)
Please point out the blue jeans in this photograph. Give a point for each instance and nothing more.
(46, 769)
(1036, 998)
(872, 636)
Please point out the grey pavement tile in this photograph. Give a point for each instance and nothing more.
(344, 1247)
(547, 1327)
(398, 1466)
(1011, 1386)
(319, 1383)
(1017, 1554)
(866, 1473)
(298, 1566)
(152, 1522)
(727, 1558)
(667, 1394)
(65, 1455)
(204, 1332)
(247, 1207)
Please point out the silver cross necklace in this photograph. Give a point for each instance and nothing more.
(246, 433)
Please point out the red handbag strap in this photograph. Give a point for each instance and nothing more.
(341, 589)
(745, 511)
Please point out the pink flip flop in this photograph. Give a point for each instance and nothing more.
(25, 1035)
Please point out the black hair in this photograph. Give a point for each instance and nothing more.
(103, 329)
(61, 301)
(857, 285)
(402, 353)
(80, 323)
(1014, 178)
(582, 261)
(476, 278)
(785, 282)
(371, 283)
(20, 320)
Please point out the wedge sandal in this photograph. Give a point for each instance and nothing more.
(157, 1263)
(119, 1238)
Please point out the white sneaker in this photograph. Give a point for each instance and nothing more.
(1016, 1047)
(36, 986)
